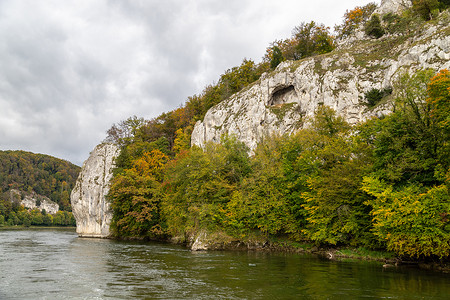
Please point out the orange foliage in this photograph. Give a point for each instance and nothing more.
(439, 98)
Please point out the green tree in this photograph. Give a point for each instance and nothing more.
(47, 220)
(236, 78)
(36, 217)
(336, 212)
(407, 141)
(312, 39)
(27, 220)
(438, 101)
(261, 202)
(199, 184)
(277, 57)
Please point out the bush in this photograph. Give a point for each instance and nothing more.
(373, 27)
(426, 9)
(393, 23)
(375, 95)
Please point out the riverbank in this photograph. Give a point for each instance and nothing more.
(22, 227)
(205, 241)
(387, 259)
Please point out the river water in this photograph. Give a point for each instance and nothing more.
(56, 264)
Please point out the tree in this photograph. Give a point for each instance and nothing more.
(327, 123)
(438, 101)
(412, 222)
(199, 184)
(312, 39)
(236, 78)
(123, 132)
(135, 197)
(182, 140)
(47, 219)
(261, 202)
(287, 48)
(426, 8)
(353, 19)
(277, 57)
(27, 220)
(336, 212)
(407, 141)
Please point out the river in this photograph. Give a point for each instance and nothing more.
(56, 264)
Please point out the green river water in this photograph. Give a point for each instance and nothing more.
(56, 264)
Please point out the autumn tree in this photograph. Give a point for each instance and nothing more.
(135, 197)
(412, 222)
(353, 19)
(409, 183)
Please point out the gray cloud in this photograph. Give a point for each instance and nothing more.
(70, 69)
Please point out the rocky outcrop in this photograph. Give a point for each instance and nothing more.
(204, 240)
(33, 201)
(393, 6)
(282, 101)
(89, 205)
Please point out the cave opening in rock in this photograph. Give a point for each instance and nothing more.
(282, 95)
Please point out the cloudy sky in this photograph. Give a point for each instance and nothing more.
(70, 69)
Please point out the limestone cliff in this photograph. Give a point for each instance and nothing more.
(90, 208)
(282, 100)
(393, 6)
(33, 200)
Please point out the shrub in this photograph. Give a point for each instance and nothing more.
(373, 27)
(426, 8)
(375, 95)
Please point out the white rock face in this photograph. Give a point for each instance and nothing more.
(282, 101)
(393, 6)
(89, 206)
(33, 200)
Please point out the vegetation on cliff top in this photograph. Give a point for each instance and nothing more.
(382, 184)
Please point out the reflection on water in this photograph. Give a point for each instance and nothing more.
(55, 264)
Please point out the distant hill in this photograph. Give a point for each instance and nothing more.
(43, 174)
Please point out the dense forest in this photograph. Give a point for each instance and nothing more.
(35, 173)
(381, 184)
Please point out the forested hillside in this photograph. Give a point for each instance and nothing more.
(35, 173)
(382, 184)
